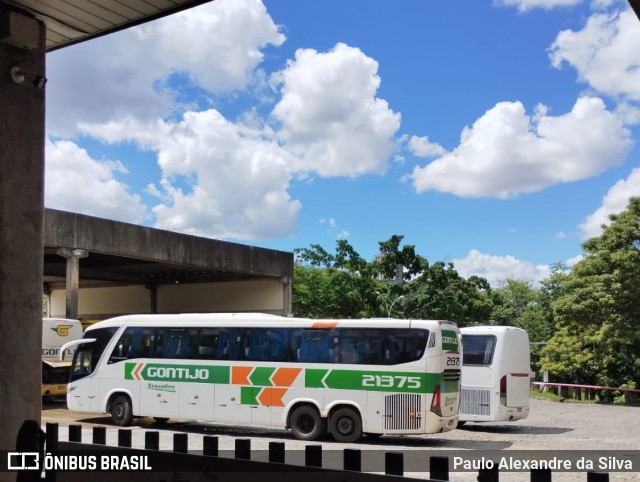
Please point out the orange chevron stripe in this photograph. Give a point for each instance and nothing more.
(239, 375)
(272, 397)
(324, 324)
(136, 372)
(284, 377)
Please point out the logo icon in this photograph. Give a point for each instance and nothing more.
(23, 461)
(62, 330)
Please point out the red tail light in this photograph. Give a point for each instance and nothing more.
(435, 402)
(503, 390)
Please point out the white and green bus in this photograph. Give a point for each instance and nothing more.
(343, 377)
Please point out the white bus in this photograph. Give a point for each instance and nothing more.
(496, 370)
(342, 377)
(55, 373)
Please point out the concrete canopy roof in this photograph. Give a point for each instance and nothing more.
(124, 254)
(71, 21)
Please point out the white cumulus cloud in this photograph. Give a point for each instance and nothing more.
(219, 179)
(614, 202)
(605, 53)
(506, 152)
(498, 269)
(423, 147)
(76, 182)
(217, 46)
(330, 115)
(526, 5)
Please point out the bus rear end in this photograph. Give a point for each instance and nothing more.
(444, 361)
(495, 374)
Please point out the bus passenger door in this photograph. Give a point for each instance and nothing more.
(228, 405)
(197, 401)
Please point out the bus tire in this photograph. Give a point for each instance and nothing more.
(121, 411)
(306, 423)
(345, 425)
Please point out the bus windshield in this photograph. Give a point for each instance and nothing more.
(88, 355)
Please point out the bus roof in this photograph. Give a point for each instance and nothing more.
(261, 319)
(489, 329)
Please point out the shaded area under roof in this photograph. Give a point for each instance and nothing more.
(121, 254)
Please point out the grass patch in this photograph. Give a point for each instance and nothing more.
(545, 395)
(557, 398)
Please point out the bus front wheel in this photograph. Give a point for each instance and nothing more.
(306, 423)
(122, 411)
(345, 425)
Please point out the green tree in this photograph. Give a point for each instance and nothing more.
(441, 293)
(518, 303)
(340, 285)
(597, 310)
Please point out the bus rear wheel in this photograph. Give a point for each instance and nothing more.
(306, 423)
(345, 425)
(121, 411)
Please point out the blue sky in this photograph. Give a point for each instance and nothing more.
(497, 135)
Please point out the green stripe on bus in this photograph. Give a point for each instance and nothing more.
(177, 373)
(313, 377)
(449, 340)
(249, 396)
(403, 382)
(407, 382)
(261, 375)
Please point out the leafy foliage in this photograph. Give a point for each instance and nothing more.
(597, 309)
(583, 323)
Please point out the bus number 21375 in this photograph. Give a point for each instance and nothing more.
(390, 381)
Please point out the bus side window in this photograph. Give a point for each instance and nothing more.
(229, 344)
(295, 340)
(176, 345)
(207, 343)
(404, 346)
(314, 347)
(256, 344)
(278, 345)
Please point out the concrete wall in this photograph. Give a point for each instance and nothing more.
(101, 303)
(21, 241)
(261, 296)
(266, 296)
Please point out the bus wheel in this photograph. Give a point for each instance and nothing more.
(306, 423)
(121, 411)
(345, 425)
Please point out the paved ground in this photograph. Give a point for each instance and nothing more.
(551, 426)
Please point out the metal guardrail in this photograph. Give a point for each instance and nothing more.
(543, 385)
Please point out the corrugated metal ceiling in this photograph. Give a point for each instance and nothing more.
(72, 21)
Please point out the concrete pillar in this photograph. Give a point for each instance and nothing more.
(286, 295)
(21, 238)
(73, 256)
